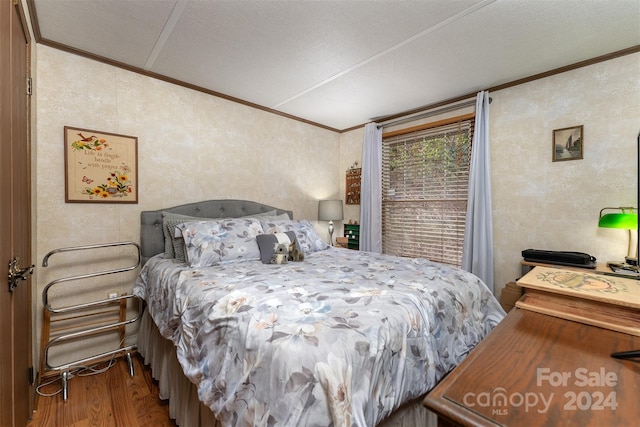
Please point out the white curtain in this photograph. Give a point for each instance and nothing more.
(371, 190)
(477, 252)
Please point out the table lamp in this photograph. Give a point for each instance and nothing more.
(330, 210)
(626, 219)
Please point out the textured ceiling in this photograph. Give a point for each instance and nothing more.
(341, 63)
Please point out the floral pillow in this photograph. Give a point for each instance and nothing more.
(306, 234)
(173, 242)
(211, 242)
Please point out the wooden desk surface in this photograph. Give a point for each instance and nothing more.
(538, 370)
(601, 267)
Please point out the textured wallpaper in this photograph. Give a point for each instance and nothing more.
(191, 147)
(541, 204)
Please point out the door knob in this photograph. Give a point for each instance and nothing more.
(16, 273)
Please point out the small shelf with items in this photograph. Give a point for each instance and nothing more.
(65, 323)
(352, 233)
(352, 189)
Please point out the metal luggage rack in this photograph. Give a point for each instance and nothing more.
(88, 312)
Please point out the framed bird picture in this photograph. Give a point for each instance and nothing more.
(100, 167)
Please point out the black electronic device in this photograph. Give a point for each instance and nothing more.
(573, 259)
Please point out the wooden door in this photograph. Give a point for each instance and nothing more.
(16, 394)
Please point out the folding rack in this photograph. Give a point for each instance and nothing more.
(88, 312)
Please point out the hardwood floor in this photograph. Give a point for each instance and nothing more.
(111, 398)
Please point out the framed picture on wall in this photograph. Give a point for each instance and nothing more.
(100, 167)
(568, 143)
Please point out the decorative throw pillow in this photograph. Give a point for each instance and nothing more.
(173, 242)
(211, 242)
(307, 236)
(268, 242)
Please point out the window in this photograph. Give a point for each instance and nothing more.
(425, 176)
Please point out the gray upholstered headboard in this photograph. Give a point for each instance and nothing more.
(152, 237)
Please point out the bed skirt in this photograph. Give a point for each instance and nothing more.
(188, 411)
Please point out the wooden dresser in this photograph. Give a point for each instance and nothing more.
(537, 370)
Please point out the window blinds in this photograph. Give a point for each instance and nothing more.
(425, 177)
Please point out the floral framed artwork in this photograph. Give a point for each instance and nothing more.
(568, 143)
(100, 167)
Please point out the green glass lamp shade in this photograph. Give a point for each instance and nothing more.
(627, 221)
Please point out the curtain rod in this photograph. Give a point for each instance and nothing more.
(431, 113)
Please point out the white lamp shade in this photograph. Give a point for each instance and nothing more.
(330, 210)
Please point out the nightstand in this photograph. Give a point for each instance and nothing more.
(539, 370)
(342, 242)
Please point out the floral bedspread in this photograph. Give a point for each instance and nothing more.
(341, 339)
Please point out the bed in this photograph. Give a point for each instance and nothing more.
(341, 338)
